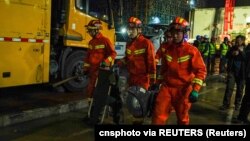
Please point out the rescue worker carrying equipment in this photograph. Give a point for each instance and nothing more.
(139, 60)
(184, 74)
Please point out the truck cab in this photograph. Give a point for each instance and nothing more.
(45, 41)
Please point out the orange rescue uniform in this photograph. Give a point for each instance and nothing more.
(100, 49)
(159, 54)
(140, 62)
(184, 72)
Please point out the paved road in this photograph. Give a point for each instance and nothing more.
(70, 126)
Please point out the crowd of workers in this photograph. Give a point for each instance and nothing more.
(184, 68)
(234, 64)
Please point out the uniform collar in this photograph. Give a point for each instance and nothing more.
(179, 44)
(98, 35)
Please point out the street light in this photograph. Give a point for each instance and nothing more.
(123, 30)
(191, 4)
(155, 20)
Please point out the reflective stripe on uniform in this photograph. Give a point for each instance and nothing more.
(99, 46)
(198, 81)
(169, 58)
(184, 58)
(152, 75)
(128, 51)
(139, 51)
(110, 59)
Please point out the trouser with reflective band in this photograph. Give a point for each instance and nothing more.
(178, 97)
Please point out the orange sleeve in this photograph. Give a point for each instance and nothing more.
(199, 70)
(151, 64)
(111, 53)
(86, 64)
(158, 54)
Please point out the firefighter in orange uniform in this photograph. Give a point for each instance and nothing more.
(139, 57)
(161, 51)
(140, 62)
(184, 74)
(100, 52)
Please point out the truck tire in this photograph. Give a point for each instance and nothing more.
(74, 66)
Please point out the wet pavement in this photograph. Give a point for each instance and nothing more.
(20, 104)
(71, 127)
(65, 122)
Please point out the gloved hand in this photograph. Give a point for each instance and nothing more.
(103, 64)
(193, 97)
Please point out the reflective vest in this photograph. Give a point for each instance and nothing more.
(204, 47)
(212, 48)
(224, 49)
(201, 47)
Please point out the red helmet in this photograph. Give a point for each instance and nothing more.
(94, 24)
(134, 22)
(179, 23)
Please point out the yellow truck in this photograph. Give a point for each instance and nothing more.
(45, 41)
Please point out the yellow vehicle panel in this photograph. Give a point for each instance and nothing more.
(24, 42)
(75, 28)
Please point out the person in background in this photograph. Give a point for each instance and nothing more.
(235, 74)
(224, 47)
(197, 41)
(212, 55)
(245, 105)
(184, 74)
(205, 53)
